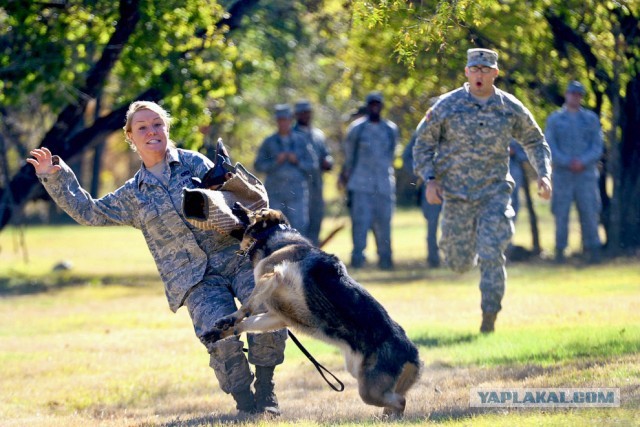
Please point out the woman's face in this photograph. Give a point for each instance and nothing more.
(150, 136)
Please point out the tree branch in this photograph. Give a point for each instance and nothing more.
(233, 17)
(60, 137)
(564, 35)
(57, 138)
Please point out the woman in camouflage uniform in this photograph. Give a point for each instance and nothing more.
(199, 268)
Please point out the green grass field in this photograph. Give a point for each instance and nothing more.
(98, 345)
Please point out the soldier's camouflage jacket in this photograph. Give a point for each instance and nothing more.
(465, 145)
(182, 252)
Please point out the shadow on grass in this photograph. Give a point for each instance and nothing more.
(444, 341)
(576, 350)
(19, 285)
(261, 420)
(208, 420)
(406, 272)
(454, 409)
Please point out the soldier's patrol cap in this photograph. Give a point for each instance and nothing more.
(283, 111)
(486, 57)
(374, 97)
(576, 87)
(302, 106)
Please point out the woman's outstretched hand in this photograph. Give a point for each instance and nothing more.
(43, 161)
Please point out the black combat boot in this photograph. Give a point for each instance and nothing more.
(266, 401)
(488, 322)
(245, 401)
(593, 256)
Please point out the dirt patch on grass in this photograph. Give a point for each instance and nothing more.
(441, 395)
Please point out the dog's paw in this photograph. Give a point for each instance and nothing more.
(212, 336)
(225, 323)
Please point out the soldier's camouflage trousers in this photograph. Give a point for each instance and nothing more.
(479, 231)
(212, 299)
(583, 188)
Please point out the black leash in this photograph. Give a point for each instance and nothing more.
(318, 366)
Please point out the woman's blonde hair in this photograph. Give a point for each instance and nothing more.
(145, 105)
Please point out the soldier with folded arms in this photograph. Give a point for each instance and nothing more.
(575, 137)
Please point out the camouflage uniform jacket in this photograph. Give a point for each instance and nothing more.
(465, 145)
(286, 177)
(317, 141)
(182, 252)
(369, 154)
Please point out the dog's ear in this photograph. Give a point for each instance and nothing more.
(241, 213)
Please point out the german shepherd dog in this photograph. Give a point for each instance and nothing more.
(299, 285)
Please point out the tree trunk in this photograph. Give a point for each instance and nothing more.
(628, 194)
(97, 157)
(96, 170)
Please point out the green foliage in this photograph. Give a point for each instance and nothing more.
(331, 52)
(417, 26)
(175, 47)
(178, 48)
(50, 49)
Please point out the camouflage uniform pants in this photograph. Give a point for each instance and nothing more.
(212, 299)
(475, 231)
(432, 214)
(583, 188)
(371, 211)
(316, 209)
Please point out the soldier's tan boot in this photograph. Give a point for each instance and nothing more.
(488, 322)
(266, 401)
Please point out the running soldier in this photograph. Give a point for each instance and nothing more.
(462, 152)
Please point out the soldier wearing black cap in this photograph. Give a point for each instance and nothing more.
(462, 152)
(575, 137)
(369, 154)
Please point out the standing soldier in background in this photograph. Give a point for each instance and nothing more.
(462, 152)
(316, 140)
(368, 170)
(287, 160)
(361, 111)
(431, 212)
(575, 137)
(517, 157)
